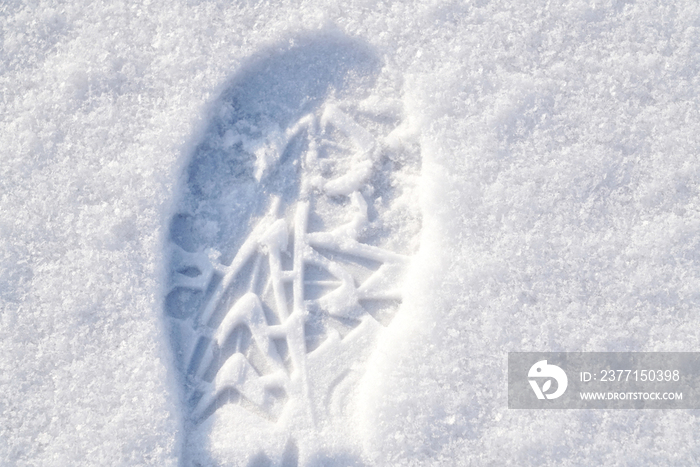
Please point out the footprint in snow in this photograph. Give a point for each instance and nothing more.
(295, 224)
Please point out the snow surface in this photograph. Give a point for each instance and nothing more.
(559, 195)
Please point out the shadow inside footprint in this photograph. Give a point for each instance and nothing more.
(237, 166)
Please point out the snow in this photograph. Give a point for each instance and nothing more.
(558, 191)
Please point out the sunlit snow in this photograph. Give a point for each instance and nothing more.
(506, 175)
